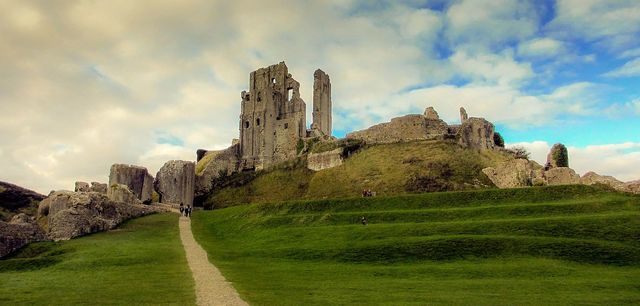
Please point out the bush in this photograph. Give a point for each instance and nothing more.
(498, 140)
(520, 152)
(560, 155)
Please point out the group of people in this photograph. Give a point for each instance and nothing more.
(185, 211)
(368, 193)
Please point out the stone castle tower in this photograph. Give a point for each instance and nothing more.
(321, 103)
(272, 120)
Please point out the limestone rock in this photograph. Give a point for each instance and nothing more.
(476, 133)
(213, 165)
(325, 160)
(65, 214)
(175, 182)
(430, 113)
(322, 103)
(463, 115)
(82, 187)
(592, 178)
(558, 156)
(20, 231)
(138, 179)
(561, 176)
(514, 173)
(121, 193)
(99, 187)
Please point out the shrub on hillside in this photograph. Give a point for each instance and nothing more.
(561, 156)
(498, 140)
(427, 183)
(519, 152)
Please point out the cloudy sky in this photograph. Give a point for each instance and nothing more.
(85, 84)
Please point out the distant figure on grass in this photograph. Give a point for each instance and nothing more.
(181, 208)
(368, 193)
(187, 211)
(364, 220)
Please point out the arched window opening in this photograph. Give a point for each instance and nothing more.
(258, 122)
(246, 124)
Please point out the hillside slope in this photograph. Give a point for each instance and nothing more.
(15, 199)
(388, 169)
(560, 245)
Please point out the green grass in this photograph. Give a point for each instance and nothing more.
(560, 245)
(141, 262)
(389, 169)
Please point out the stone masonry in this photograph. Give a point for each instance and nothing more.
(321, 103)
(136, 178)
(175, 182)
(273, 118)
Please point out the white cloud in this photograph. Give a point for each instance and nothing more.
(618, 160)
(491, 68)
(541, 47)
(615, 23)
(629, 69)
(489, 23)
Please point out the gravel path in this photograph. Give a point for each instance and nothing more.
(211, 287)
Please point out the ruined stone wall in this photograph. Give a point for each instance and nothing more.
(322, 102)
(325, 160)
(273, 118)
(476, 133)
(405, 128)
(136, 178)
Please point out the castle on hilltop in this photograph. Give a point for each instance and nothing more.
(273, 128)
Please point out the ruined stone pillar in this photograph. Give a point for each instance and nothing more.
(175, 182)
(322, 102)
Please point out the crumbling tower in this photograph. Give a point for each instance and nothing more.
(321, 102)
(272, 118)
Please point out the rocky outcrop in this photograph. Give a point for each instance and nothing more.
(136, 178)
(121, 193)
(463, 115)
(558, 156)
(633, 186)
(175, 182)
(213, 165)
(325, 160)
(99, 187)
(515, 173)
(561, 176)
(15, 199)
(94, 187)
(82, 187)
(430, 113)
(65, 214)
(592, 178)
(476, 133)
(18, 232)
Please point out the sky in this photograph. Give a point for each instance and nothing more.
(86, 84)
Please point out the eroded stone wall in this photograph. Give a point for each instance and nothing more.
(405, 128)
(322, 103)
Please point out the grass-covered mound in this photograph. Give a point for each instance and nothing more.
(388, 169)
(534, 246)
(142, 262)
(15, 199)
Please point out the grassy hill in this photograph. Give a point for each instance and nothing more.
(141, 262)
(388, 169)
(559, 245)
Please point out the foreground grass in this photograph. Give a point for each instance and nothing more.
(141, 262)
(537, 246)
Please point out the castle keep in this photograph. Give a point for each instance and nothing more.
(273, 116)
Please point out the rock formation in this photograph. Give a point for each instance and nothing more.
(99, 187)
(325, 160)
(136, 178)
(321, 103)
(65, 214)
(216, 164)
(463, 115)
(15, 199)
(175, 182)
(18, 232)
(430, 113)
(558, 156)
(476, 133)
(515, 173)
(82, 187)
(94, 187)
(561, 176)
(121, 193)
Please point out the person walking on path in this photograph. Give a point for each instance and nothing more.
(181, 208)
